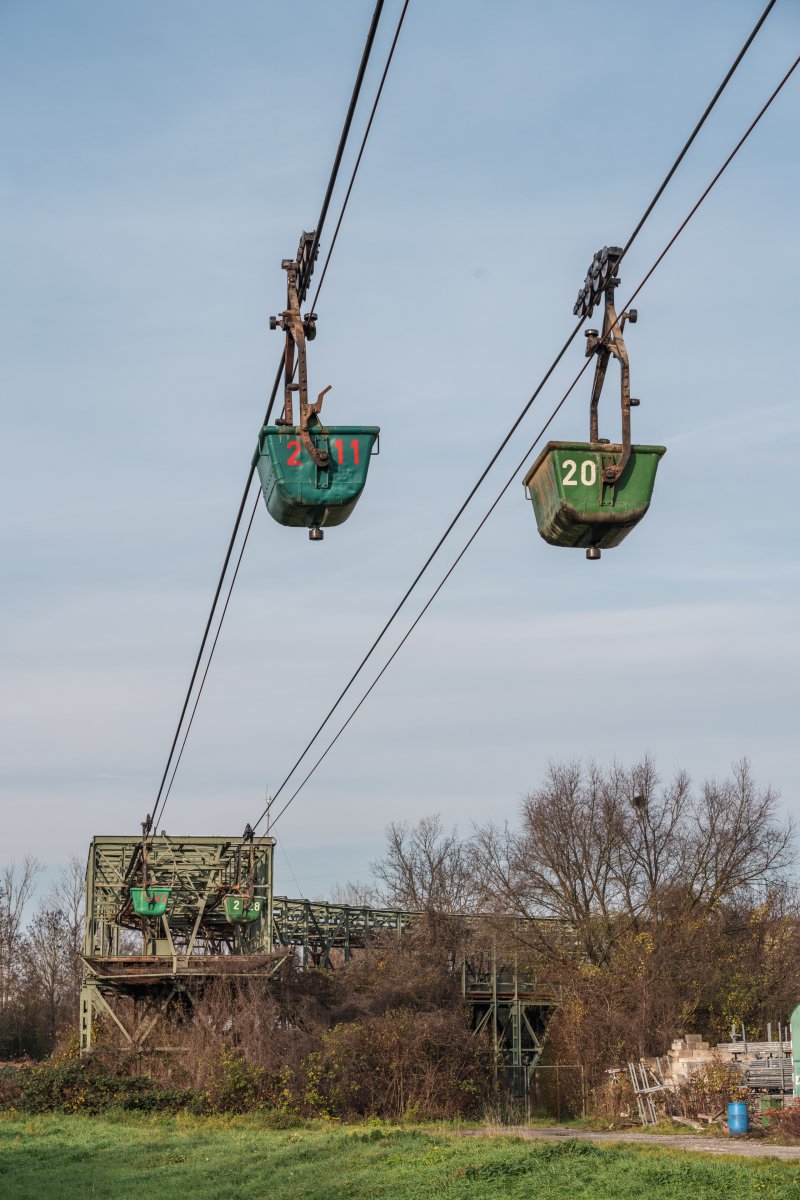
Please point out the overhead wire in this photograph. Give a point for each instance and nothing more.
(323, 214)
(362, 147)
(532, 447)
(266, 419)
(337, 162)
(508, 436)
(343, 138)
(190, 722)
(270, 406)
(300, 891)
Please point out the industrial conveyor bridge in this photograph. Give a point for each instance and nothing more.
(139, 967)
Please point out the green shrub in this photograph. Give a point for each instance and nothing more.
(233, 1086)
(85, 1087)
(398, 1064)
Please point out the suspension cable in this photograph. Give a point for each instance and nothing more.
(536, 440)
(361, 151)
(401, 603)
(337, 162)
(274, 393)
(365, 56)
(208, 663)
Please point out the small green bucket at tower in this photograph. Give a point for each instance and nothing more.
(150, 901)
(572, 504)
(242, 909)
(298, 492)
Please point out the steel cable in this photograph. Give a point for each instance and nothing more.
(266, 420)
(532, 447)
(208, 662)
(365, 56)
(423, 569)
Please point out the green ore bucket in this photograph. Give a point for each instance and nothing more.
(300, 493)
(242, 908)
(150, 901)
(574, 507)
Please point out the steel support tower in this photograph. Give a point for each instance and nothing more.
(137, 968)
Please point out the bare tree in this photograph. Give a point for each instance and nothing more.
(739, 842)
(355, 894)
(69, 897)
(566, 861)
(607, 852)
(425, 868)
(16, 888)
(47, 961)
(653, 858)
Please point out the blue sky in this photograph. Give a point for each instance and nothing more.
(159, 162)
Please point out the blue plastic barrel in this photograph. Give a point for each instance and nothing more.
(737, 1118)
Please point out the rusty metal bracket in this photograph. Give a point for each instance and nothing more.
(298, 330)
(250, 888)
(611, 343)
(146, 826)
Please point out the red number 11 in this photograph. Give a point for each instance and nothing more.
(340, 450)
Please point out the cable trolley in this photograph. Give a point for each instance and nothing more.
(311, 475)
(592, 494)
(242, 905)
(151, 899)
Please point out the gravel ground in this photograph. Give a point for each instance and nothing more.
(738, 1147)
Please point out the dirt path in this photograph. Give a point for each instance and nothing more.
(738, 1147)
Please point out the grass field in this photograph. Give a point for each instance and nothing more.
(130, 1158)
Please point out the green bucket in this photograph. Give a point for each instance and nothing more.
(242, 909)
(150, 901)
(298, 492)
(572, 504)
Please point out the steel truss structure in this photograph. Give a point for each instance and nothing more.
(138, 969)
(516, 1011)
(321, 932)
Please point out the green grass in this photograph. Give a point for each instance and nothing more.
(138, 1158)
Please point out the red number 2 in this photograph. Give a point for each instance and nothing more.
(294, 458)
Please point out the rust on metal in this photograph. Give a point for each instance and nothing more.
(299, 330)
(602, 278)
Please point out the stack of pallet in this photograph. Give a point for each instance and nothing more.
(765, 1066)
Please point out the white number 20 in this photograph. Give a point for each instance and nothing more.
(588, 472)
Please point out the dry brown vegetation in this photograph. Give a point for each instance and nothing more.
(655, 907)
(387, 1035)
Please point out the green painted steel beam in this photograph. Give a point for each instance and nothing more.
(153, 957)
(199, 873)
